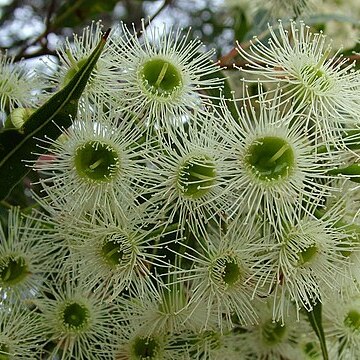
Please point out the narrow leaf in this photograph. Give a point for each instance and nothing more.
(241, 25)
(315, 319)
(18, 146)
(352, 171)
(351, 138)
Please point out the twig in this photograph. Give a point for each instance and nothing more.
(49, 14)
(225, 61)
(354, 57)
(41, 52)
(21, 54)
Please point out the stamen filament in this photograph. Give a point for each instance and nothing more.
(96, 164)
(279, 153)
(112, 252)
(162, 74)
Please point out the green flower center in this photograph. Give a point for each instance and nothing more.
(75, 316)
(270, 158)
(146, 348)
(113, 248)
(96, 161)
(307, 255)
(315, 79)
(226, 271)
(196, 176)
(352, 320)
(160, 77)
(4, 352)
(13, 270)
(273, 332)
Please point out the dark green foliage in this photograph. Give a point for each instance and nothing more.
(18, 146)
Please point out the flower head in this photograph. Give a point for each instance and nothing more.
(287, 8)
(192, 183)
(309, 261)
(213, 344)
(17, 85)
(73, 54)
(98, 160)
(133, 343)
(24, 261)
(226, 274)
(273, 339)
(275, 161)
(116, 252)
(342, 319)
(76, 320)
(309, 74)
(163, 72)
(20, 332)
(171, 311)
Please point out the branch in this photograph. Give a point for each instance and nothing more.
(225, 61)
(43, 36)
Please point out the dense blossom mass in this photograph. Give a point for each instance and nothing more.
(174, 224)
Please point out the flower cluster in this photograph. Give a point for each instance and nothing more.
(179, 225)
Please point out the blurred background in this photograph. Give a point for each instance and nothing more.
(33, 28)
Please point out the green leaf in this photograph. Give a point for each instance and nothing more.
(315, 319)
(351, 138)
(241, 25)
(20, 146)
(353, 171)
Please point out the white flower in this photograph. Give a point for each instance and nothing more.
(275, 162)
(97, 161)
(345, 207)
(135, 344)
(273, 339)
(336, 29)
(226, 273)
(170, 311)
(342, 322)
(310, 75)
(17, 85)
(116, 252)
(73, 54)
(24, 261)
(276, 8)
(193, 173)
(308, 263)
(287, 8)
(20, 332)
(214, 345)
(76, 320)
(161, 74)
(347, 200)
